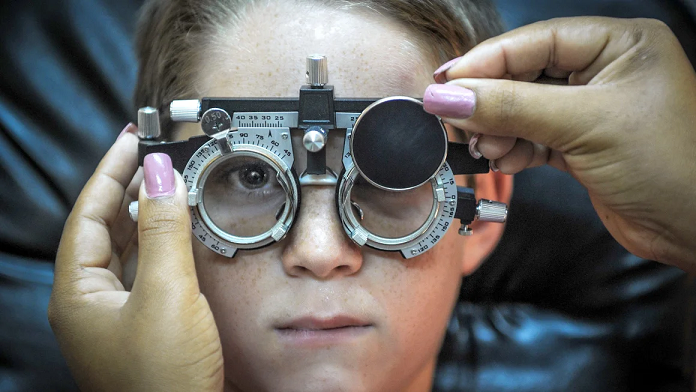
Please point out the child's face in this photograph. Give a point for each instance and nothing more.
(396, 310)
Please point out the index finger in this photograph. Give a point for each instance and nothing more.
(86, 241)
(583, 45)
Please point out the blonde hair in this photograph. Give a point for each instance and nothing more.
(171, 33)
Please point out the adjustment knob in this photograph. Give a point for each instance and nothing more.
(491, 211)
(317, 70)
(314, 138)
(148, 123)
(185, 110)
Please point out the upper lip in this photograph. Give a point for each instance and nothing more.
(319, 323)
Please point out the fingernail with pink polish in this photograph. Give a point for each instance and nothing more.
(473, 147)
(159, 175)
(130, 128)
(493, 166)
(447, 100)
(439, 74)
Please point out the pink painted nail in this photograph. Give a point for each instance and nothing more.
(439, 74)
(159, 175)
(493, 166)
(446, 100)
(130, 128)
(473, 147)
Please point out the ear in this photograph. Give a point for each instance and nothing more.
(491, 186)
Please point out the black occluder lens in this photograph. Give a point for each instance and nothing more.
(397, 145)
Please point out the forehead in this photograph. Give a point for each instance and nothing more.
(263, 54)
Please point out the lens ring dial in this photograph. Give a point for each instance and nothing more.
(419, 241)
(269, 145)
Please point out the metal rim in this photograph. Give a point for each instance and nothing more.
(286, 181)
(352, 138)
(352, 223)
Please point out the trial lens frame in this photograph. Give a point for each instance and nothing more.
(262, 126)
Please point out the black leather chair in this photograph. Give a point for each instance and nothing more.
(558, 307)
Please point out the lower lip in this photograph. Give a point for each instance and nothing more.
(322, 337)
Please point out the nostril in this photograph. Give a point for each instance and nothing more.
(301, 269)
(344, 269)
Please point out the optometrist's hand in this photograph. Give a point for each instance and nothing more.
(160, 336)
(624, 125)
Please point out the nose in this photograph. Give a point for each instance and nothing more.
(317, 246)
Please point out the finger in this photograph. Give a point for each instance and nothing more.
(557, 160)
(86, 240)
(555, 116)
(556, 73)
(567, 44)
(519, 157)
(124, 227)
(540, 155)
(526, 77)
(165, 267)
(494, 147)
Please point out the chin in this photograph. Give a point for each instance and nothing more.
(318, 379)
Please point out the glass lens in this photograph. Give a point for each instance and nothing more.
(242, 196)
(391, 214)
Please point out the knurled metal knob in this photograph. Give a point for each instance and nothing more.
(185, 110)
(148, 123)
(491, 211)
(314, 138)
(317, 70)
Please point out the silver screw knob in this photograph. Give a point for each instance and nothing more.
(491, 211)
(215, 120)
(314, 138)
(317, 70)
(148, 123)
(465, 230)
(185, 110)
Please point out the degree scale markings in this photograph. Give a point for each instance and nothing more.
(443, 219)
(284, 119)
(273, 140)
(265, 119)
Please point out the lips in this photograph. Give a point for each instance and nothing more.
(311, 323)
(309, 333)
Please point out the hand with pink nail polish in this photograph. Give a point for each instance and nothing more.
(159, 336)
(612, 101)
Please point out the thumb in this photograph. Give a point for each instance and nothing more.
(555, 116)
(166, 267)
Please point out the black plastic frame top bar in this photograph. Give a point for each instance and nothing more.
(234, 105)
(462, 162)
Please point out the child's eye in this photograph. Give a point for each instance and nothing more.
(253, 176)
(244, 178)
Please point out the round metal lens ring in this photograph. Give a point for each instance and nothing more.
(356, 126)
(352, 222)
(286, 181)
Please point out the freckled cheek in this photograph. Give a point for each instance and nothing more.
(234, 287)
(423, 288)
